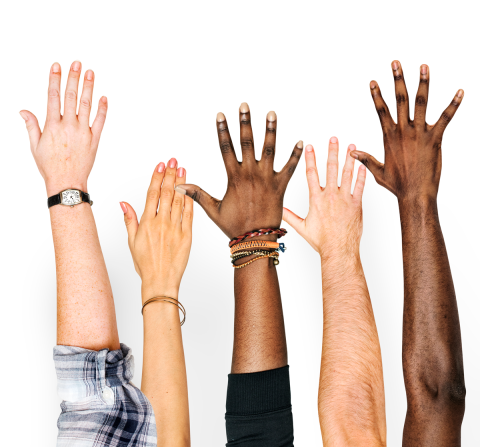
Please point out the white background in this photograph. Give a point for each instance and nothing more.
(167, 68)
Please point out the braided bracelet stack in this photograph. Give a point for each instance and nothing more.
(239, 248)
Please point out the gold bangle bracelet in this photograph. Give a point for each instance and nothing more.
(273, 255)
(168, 299)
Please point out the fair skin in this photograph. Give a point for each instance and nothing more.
(351, 400)
(160, 246)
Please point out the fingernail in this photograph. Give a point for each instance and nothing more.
(161, 167)
(172, 163)
(309, 148)
(395, 65)
(56, 68)
(76, 66)
(104, 99)
(300, 144)
(89, 75)
(373, 84)
(460, 93)
(24, 116)
(272, 116)
(333, 140)
(362, 167)
(352, 147)
(244, 108)
(180, 190)
(180, 172)
(423, 69)
(354, 156)
(220, 117)
(124, 208)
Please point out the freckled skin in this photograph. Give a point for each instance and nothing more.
(254, 199)
(432, 346)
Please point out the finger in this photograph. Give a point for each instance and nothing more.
(86, 98)
(178, 199)
(386, 119)
(205, 200)
(268, 152)
(373, 165)
(33, 129)
(401, 94)
(166, 193)
(448, 113)
(332, 164)
(422, 96)
(312, 173)
(360, 183)
(296, 222)
(246, 134)
(153, 193)
(71, 91)
(131, 222)
(347, 173)
(99, 121)
(187, 216)
(292, 163)
(54, 105)
(225, 142)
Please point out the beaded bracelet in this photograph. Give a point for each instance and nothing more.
(262, 232)
(273, 254)
(243, 254)
(257, 244)
(170, 300)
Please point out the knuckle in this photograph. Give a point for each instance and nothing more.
(177, 201)
(420, 100)
(245, 122)
(271, 130)
(446, 118)
(53, 93)
(247, 144)
(85, 103)
(166, 193)
(269, 151)
(188, 215)
(382, 112)
(197, 195)
(226, 147)
(401, 98)
(71, 95)
(152, 194)
(454, 103)
(347, 173)
(311, 172)
(398, 77)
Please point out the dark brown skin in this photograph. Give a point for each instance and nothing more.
(254, 199)
(432, 345)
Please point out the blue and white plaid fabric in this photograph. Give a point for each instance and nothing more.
(101, 407)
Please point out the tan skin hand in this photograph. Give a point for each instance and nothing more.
(160, 244)
(413, 148)
(65, 150)
(254, 196)
(335, 215)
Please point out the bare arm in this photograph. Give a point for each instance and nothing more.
(432, 347)
(160, 247)
(351, 399)
(65, 153)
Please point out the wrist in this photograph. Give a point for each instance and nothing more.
(419, 202)
(346, 256)
(151, 289)
(55, 187)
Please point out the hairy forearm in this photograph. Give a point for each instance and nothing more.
(85, 307)
(164, 376)
(432, 347)
(351, 393)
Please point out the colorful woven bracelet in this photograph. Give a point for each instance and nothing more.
(273, 255)
(262, 232)
(257, 245)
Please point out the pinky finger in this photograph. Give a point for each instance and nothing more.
(97, 125)
(360, 183)
(33, 129)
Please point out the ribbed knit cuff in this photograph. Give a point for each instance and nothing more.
(259, 392)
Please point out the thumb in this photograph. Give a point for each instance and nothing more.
(34, 132)
(297, 223)
(205, 200)
(131, 222)
(371, 163)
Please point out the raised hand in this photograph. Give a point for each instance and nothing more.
(65, 151)
(413, 148)
(254, 196)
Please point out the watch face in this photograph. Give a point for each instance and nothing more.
(71, 197)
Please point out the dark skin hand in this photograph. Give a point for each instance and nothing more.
(254, 199)
(432, 345)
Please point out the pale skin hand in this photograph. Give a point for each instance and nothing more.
(351, 399)
(64, 154)
(160, 246)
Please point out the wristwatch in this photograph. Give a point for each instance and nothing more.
(69, 197)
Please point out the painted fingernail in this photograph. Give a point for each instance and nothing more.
(220, 117)
(161, 167)
(460, 93)
(395, 65)
(300, 144)
(124, 207)
(244, 108)
(272, 116)
(89, 75)
(352, 147)
(309, 148)
(423, 69)
(333, 140)
(373, 84)
(56, 68)
(24, 116)
(180, 172)
(76, 66)
(180, 190)
(172, 163)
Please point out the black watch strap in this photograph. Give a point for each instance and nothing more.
(57, 199)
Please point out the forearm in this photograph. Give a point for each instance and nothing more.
(351, 392)
(164, 376)
(85, 307)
